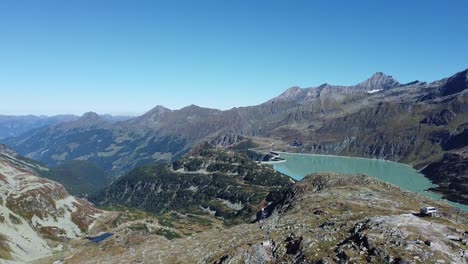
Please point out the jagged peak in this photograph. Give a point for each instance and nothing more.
(455, 84)
(156, 113)
(379, 74)
(291, 92)
(379, 81)
(159, 109)
(462, 74)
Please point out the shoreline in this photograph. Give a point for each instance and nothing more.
(272, 162)
(353, 157)
(441, 198)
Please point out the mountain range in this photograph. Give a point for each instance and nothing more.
(181, 185)
(414, 123)
(12, 126)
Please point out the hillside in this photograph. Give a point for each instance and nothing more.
(37, 215)
(116, 147)
(80, 177)
(325, 218)
(222, 182)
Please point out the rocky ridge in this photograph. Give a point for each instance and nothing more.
(223, 182)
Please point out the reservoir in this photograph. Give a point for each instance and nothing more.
(406, 177)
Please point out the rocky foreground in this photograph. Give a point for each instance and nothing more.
(325, 218)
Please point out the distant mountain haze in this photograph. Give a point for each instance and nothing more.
(12, 125)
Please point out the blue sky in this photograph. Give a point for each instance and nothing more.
(124, 57)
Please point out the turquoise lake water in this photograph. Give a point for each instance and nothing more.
(406, 177)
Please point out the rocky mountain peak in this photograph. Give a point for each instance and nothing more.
(455, 84)
(90, 116)
(460, 76)
(291, 93)
(378, 81)
(159, 109)
(192, 106)
(88, 119)
(156, 112)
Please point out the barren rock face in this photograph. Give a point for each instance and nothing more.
(33, 209)
(440, 118)
(227, 140)
(450, 173)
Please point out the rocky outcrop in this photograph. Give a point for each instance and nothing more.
(440, 118)
(451, 174)
(456, 140)
(227, 140)
(449, 86)
(455, 84)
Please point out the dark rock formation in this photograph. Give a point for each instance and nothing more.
(439, 118)
(451, 174)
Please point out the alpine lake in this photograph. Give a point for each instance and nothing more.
(406, 177)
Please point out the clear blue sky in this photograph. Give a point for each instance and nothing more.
(127, 56)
